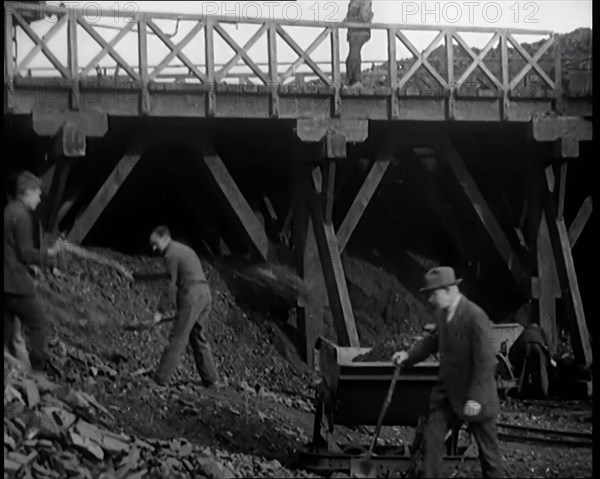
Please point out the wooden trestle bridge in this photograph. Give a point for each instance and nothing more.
(449, 83)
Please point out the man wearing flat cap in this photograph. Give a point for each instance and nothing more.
(466, 387)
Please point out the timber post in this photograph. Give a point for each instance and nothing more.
(333, 135)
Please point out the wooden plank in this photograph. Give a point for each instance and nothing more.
(549, 286)
(9, 48)
(57, 192)
(310, 308)
(273, 73)
(106, 193)
(329, 189)
(568, 282)
(209, 51)
(504, 60)
(270, 209)
(393, 72)
(561, 190)
(317, 293)
(487, 218)
(54, 9)
(333, 272)
(72, 60)
(361, 201)
(335, 55)
(580, 221)
(236, 200)
(545, 128)
(143, 65)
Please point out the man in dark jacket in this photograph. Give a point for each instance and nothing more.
(21, 257)
(466, 388)
(189, 289)
(358, 11)
(531, 361)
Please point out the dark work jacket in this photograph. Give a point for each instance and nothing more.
(185, 272)
(467, 361)
(20, 250)
(533, 334)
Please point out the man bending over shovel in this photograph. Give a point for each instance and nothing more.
(189, 289)
(466, 388)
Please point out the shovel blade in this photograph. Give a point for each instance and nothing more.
(363, 467)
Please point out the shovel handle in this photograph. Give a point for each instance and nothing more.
(386, 403)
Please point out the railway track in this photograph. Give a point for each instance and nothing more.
(548, 437)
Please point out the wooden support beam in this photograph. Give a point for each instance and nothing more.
(269, 206)
(361, 201)
(548, 286)
(47, 179)
(562, 185)
(580, 221)
(91, 123)
(566, 148)
(107, 191)
(568, 282)
(328, 189)
(487, 218)
(56, 194)
(552, 128)
(315, 129)
(252, 226)
(333, 271)
(310, 308)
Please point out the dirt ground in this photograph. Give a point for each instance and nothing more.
(256, 424)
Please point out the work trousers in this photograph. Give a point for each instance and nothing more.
(14, 341)
(439, 420)
(193, 306)
(356, 41)
(29, 311)
(534, 377)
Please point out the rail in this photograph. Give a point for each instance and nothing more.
(502, 66)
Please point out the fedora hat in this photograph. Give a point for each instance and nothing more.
(440, 277)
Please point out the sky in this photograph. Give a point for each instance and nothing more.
(555, 15)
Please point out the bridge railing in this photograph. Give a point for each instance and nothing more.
(503, 67)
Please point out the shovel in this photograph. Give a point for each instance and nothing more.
(365, 467)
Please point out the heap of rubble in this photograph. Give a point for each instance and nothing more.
(53, 431)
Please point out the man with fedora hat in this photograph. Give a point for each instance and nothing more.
(466, 387)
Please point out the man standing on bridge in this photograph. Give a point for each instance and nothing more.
(466, 387)
(189, 290)
(358, 11)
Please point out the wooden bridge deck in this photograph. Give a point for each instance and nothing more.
(462, 83)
